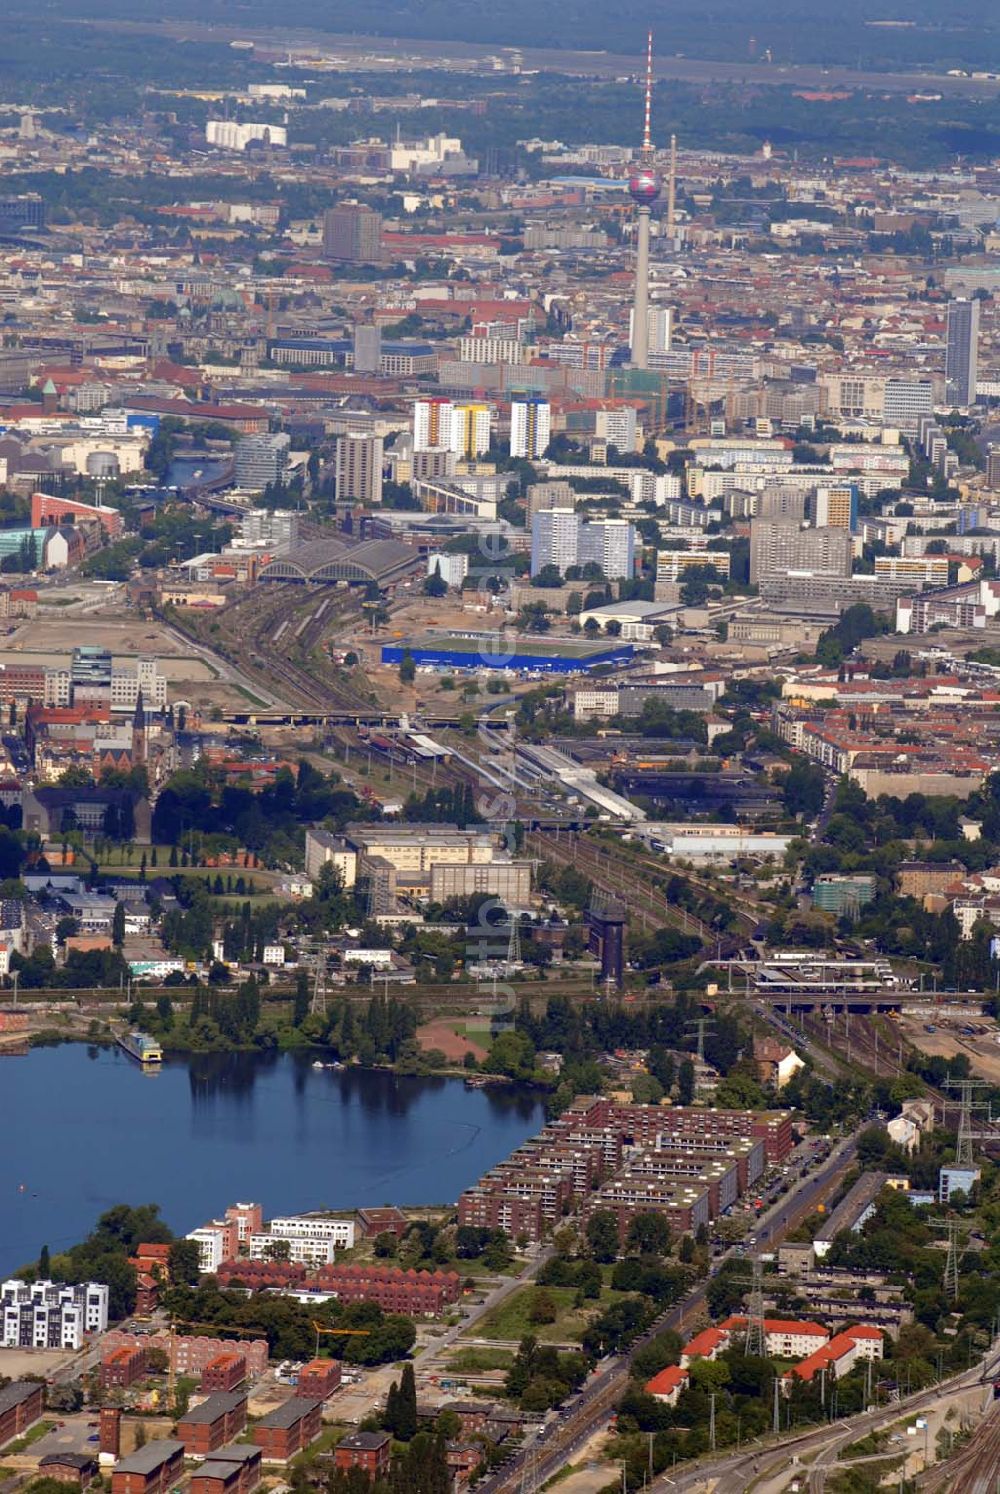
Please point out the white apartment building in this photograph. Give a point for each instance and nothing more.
(339, 1232)
(660, 321)
(610, 543)
(555, 539)
(561, 538)
(50, 1314)
(299, 1251)
(870, 456)
(530, 426)
(671, 564)
(490, 350)
(126, 684)
(617, 426)
(323, 848)
(211, 1243)
(452, 569)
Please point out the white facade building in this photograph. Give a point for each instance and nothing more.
(339, 1232)
(126, 684)
(530, 427)
(211, 1243)
(267, 1246)
(228, 135)
(452, 569)
(50, 1314)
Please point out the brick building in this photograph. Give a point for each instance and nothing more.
(21, 1404)
(319, 1378)
(393, 1289)
(191, 1354)
(371, 1451)
(234, 1469)
(76, 1469)
(123, 1367)
(153, 1469)
(224, 1372)
(256, 1275)
(215, 1422)
(288, 1429)
(389, 1221)
(110, 1426)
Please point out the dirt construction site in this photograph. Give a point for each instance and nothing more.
(978, 1038)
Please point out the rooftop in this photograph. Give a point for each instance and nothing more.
(148, 1459)
(219, 1404)
(291, 1411)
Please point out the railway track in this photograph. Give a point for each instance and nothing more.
(975, 1468)
(645, 903)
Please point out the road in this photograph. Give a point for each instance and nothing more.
(737, 1471)
(493, 1298)
(584, 1414)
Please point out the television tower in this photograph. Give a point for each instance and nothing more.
(644, 189)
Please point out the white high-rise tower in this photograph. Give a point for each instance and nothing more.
(644, 189)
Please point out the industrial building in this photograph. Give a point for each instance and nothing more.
(327, 561)
(501, 652)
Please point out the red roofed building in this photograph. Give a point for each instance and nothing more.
(708, 1344)
(667, 1385)
(785, 1338)
(839, 1356)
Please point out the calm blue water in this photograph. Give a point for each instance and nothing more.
(181, 472)
(83, 1128)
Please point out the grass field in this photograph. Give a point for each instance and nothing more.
(511, 1321)
(479, 1361)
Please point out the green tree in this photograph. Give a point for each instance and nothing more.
(118, 925)
(44, 1264)
(407, 668)
(436, 585)
(648, 1234)
(602, 1235)
(685, 1082)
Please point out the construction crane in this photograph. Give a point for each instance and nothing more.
(340, 1332)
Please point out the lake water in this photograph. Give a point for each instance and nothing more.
(82, 1128)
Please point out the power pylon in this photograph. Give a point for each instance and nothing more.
(756, 1341)
(514, 942)
(951, 1260)
(966, 1135)
(317, 1006)
(701, 1026)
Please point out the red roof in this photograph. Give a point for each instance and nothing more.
(704, 1342)
(666, 1381)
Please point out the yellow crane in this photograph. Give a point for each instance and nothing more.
(340, 1332)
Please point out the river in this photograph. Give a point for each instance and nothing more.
(191, 471)
(84, 1127)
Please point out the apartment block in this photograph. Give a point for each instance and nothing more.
(235, 1469)
(21, 1405)
(51, 1315)
(288, 1429)
(153, 1469)
(214, 1422)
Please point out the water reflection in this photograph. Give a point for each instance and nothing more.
(217, 1126)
